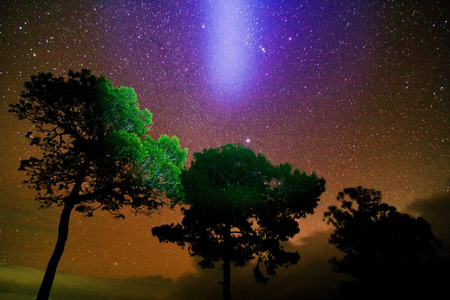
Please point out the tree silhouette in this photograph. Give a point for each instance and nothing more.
(378, 241)
(240, 207)
(95, 154)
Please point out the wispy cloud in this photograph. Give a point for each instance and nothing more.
(311, 278)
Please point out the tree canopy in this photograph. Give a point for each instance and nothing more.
(93, 141)
(94, 151)
(377, 240)
(239, 207)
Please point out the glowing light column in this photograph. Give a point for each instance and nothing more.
(230, 64)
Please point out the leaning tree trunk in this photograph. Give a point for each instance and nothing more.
(227, 263)
(63, 231)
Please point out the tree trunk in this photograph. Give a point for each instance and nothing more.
(226, 264)
(63, 231)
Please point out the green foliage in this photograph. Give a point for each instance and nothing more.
(95, 153)
(122, 115)
(163, 163)
(240, 207)
(377, 240)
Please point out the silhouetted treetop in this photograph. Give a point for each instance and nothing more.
(93, 134)
(238, 206)
(94, 153)
(377, 240)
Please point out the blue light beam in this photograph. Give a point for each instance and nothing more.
(230, 63)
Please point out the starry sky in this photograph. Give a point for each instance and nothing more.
(355, 91)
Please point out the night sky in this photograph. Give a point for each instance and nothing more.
(355, 91)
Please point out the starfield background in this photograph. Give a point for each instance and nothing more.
(355, 91)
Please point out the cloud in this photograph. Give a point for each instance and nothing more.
(311, 278)
(436, 210)
(23, 283)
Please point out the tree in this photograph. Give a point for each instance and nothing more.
(95, 153)
(238, 207)
(378, 241)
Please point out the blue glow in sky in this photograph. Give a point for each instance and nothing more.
(229, 37)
